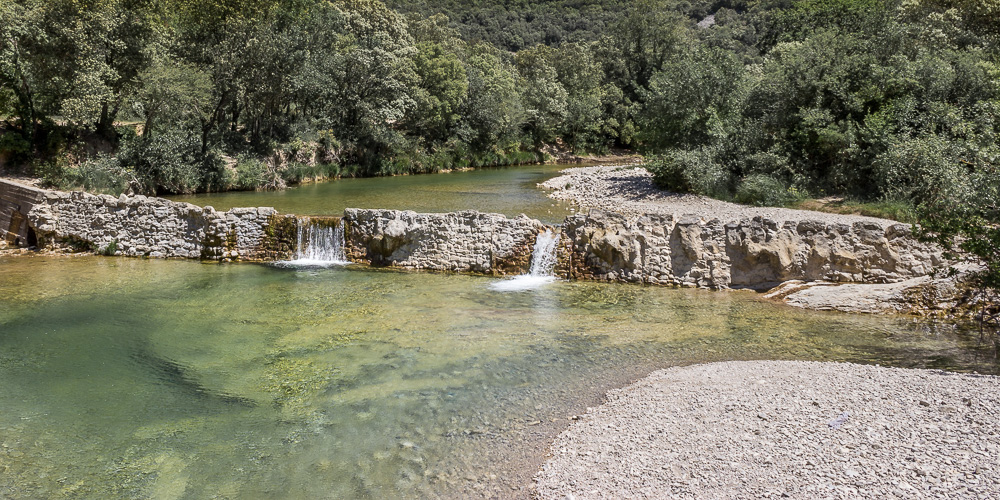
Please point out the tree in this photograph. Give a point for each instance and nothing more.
(580, 75)
(545, 99)
(493, 114)
(691, 99)
(172, 92)
(440, 92)
(971, 225)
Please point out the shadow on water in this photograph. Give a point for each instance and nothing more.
(175, 375)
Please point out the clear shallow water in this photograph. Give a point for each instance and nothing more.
(167, 379)
(509, 191)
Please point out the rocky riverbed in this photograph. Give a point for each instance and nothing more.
(629, 190)
(784, 429)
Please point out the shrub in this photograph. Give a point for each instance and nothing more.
(296, 172)
(110, 250)
(14, 148)
(923, 169)
(104, 175)
(764, 191)
(215, 176)
(251, 173)
(167, 163)
(694, 172)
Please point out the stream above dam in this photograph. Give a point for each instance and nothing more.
(178, 379)
(509, 191)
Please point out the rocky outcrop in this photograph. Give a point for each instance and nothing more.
(951, 295)
(16, 200)
(757, 253)
(459, 241)
(155, 227)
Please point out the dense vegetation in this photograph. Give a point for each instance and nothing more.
(524, 24)
(881, 100)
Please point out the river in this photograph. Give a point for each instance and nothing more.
(509, 191)
(134, 378)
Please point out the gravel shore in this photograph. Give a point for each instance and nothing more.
(784, 429)
(629, 190)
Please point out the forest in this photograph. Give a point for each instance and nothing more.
(893, 102)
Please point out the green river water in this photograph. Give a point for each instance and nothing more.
(131, 378)
(509, 191)
(127, 378)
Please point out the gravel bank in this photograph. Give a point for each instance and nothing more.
(629, 190)
(784, 428)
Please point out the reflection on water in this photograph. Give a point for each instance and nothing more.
(509, 191)
(166, 379)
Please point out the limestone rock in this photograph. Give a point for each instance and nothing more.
(459, 241)
(755, 253)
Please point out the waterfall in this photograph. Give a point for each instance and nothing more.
(543, 256)
(319, 244)
(543, 263)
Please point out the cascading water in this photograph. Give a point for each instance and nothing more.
(543, 263)
(543, 256)
(319, 244)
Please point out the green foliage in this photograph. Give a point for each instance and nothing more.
(971, 226)
(545, 98)
(163, 164)
(250, 173)
(902, 211)
(691, 98)
(695, 172)
(441, 92)
(172, 92)
(301, 172)
(879, 101)
(493, 112)
(14, 147)
(765, 191)
(519, 25)
(109, 250)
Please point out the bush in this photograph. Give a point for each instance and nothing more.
(215, 176)
(14, 148)
(167, 163)
(298, 172)
(764, 191)
(251, 173)
(104, 175)
(694, 172)
(923, 169)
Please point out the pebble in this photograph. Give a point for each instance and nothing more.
(629, 190)
(680, 434)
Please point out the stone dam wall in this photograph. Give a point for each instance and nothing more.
(467, 241)
(142, 226)
(16, 201)
(685, 251)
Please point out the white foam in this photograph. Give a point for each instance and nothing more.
(522, 283)
(543, 262)
(311, 263)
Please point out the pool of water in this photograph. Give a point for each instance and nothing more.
(509, 191)
(128, 378)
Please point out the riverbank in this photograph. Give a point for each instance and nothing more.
(784, 429)
(629, 190)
